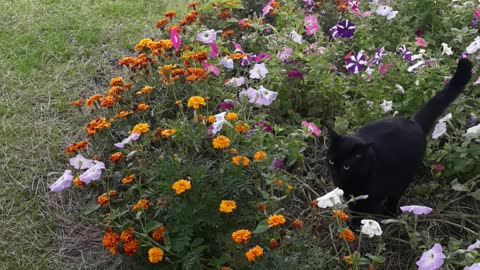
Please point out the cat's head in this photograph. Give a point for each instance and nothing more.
(348, 156)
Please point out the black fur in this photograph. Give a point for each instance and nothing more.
(381, 158)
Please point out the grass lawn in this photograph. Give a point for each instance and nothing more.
(53, 52)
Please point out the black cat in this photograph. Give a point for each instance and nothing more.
(381, 158)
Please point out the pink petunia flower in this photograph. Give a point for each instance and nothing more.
(313, 129)
(416, 209)
(211, 68)
(420, 42)
(214, 52)
(476, 13)
(65, 181)
(311, 25)
(431, 259)
(285, 54)
(175, 39)
(266, 9)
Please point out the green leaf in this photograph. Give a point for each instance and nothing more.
(152, 225)
(475, 194)
(341, 125)
(261, 227)
(376, 259)
(92, 209)
(459, 187)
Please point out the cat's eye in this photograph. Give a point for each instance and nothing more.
(345, 167)
(331, 162)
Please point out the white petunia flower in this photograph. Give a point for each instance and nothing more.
(81, 163)
(259, 71)
(207, 36)
(297, 38)
(371, 228)
(399, 88)
(473, 132)
(261, 96)
(415, 66)
(441, 127)
(474, 46)
(386, 106)
(219, 121)
(236, 82)
(446, 50)
(330, 199)
(64, 182)
(227, 63)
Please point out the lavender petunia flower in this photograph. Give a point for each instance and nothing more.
(81, 163)
(356, 63)
(345, 29)
(265, 127)
(431, 259)
(93, 173)
(261, 96)
(285, 54)
(207, 36)
(133, 137)
(473, 246)
(416, 209)
(475, 266)
(236, 82)
(259, 71)
(64, 182)
(226, 63)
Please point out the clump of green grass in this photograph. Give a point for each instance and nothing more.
(54, 52)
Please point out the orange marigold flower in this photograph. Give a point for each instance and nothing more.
(297, 224)
(158, 234)
(221, 142)
(211, 119)
(126, 61)
(231, 116)
(93, 99)
(192, 78)
(189, 18)
(170, 14)
(128, 179)
(225, 268)
(178, 103)
(195, 102)
(113, 193)
(143, 204)
(102, 200)
(226, 14)
(162, 23)
(97, 124)
(261, 207)
(347, 260)
(118, 81)
(276, 220)
(242, 128)
(115, 90)
(176, 73)
(260, 155)
(155, 255)
(181, 186)
(193, 5)
(227, 207)
(145, 90)
(131, 247)
(254, 253)
(141, 128)
(227, 34)
(107, 102)
(241, 236)
(340, 214)
(168, 133)
(142, 107)
(236, 56)
(144, 43)
(196, 71)
(127, 235)
(123, 114)
(110, 240)
(278, 182)
(274, 244)
(241, 161)
(175, 27)
(113, 251)
(347, 235)
(314, 204)
(166, 69)
(77, 103)
(75, 147)
(289, 188)
(116, 157)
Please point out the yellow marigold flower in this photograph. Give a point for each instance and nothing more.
(166, 44)
(241, 161)
(155, 255)
(145, 90)
(276, 220)
(143, 204)
(195, 102)
(340, 214)
(227, 207)
(123, 114)
(347, 235)
(144, 43)
(141, 128)
(278, 182)
(221, 142)
(127, 235)
(297, 224)
(254, 253)
(166, 69)
(110, 240)
(211, 119)
(131, 247)
(158, 234)
(289, 188)
(260, 155)
(233, 151)
(129, 179)
(181, 186)
(168, 133)
(178, 103)
(118, 81)
(102, 200)
(242, 128)
(142, 107)
(116, 157)
(231, 117)
(241, 236)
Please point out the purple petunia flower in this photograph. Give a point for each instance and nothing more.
(475, 266)
(277, 164)
(294, 74)
(473, 246)
(354, 4)
(133, 137)
(265, 127)
(261, 96)
(309, 2)
(356, 63)
(225, 106)
(93, 173)
(211, 68)
(431, 259)
(379, 54)
(345, 29)
(248, 60)
(405, 53)
(81, 163)
(416, 209)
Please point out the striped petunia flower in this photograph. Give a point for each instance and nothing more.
(345, 29)
(356, 62)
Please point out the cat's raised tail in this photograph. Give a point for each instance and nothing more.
(434, 108)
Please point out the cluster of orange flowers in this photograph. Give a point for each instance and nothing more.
(103, 199)
(254, 253)
(95, 125)
(137, 63)
(221, 142)
(241, 236)
(276, 220)
(241, 161)
(128, 179)
(111, 240)
(347, 235)
(337, 214)
(141, 204)
(76, 147)
(164, 133)
(116, 157)
(227, 207)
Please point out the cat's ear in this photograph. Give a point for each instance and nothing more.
(332, 135)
